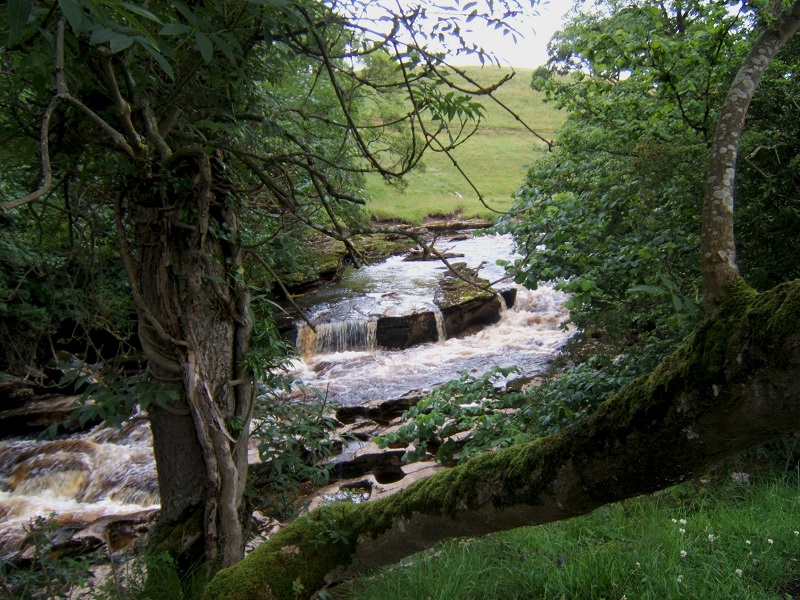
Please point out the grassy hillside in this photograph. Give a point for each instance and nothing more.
(495, 158)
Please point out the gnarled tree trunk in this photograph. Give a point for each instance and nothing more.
(195, 332)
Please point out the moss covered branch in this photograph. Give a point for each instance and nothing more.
(735, 384)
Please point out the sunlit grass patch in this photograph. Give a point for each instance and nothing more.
(742, 541)
(495, 159)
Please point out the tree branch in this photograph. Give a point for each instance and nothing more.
(717, 245)
(47, 169)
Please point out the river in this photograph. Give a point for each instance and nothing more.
(103, 473)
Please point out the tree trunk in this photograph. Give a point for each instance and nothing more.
(195, 332)
(717, 246)
(733, 386)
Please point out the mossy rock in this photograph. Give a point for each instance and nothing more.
(454, 290)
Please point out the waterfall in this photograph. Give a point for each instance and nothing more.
(105, 473)
(359, 335)
(502, 301)
(440, 331)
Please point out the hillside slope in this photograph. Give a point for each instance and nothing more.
(495, 158)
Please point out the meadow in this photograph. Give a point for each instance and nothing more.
(495, 158)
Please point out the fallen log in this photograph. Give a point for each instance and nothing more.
(733, 385)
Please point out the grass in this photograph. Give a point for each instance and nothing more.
(495, 158)
(741, 541)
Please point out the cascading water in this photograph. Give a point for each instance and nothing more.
(80, 479)
(527, 335)
(109, 472)
(441, 334)
(327, 338)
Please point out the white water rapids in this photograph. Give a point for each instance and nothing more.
(527, 336)
(80, 479)
(105, 473)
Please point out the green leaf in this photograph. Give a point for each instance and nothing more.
(101, 35)
(645, 289)
(18, 13)
(223, 45)
(205, 46)
(138, 10)
(187, 13)
(52, 430)
(73, 11)
(120, 41)
(174, 29)
(158, 57)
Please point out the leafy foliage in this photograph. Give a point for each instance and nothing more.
(493, 416)
(768, 179)
(613, 213)
(567, 397)
(111, 397)
(60, 283)
(477, 405)
(294, 439)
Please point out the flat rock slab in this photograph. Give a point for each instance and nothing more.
(380, 411)
(367, 488)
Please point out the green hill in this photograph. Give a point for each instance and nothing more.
(495, 158)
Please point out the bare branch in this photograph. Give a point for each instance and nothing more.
(123, 108)
(271, 271)
(47, 170)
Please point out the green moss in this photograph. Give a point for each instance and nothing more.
(453, 291)
(292, 564)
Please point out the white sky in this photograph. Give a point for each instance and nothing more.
(531, 51)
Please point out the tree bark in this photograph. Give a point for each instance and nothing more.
(734, 385)
(717, 244)
(195, 332)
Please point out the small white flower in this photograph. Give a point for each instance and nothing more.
(770, 541)
(739, 572)
(638, 565)
(712, 538)
(683, 553)
(797, 532)
(748, 542)
(675, 521)
(680, 578)
(681, 530)
(682, 521)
